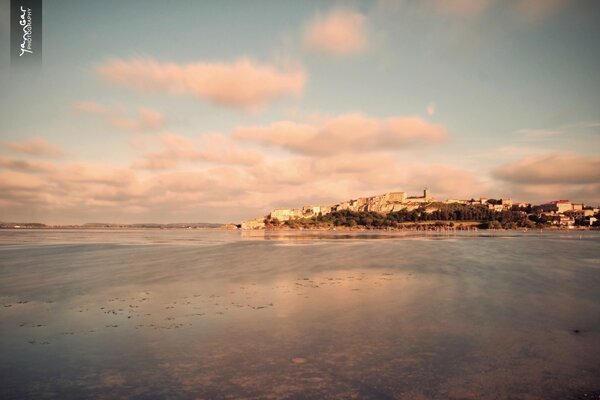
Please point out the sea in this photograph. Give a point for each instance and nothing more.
(216, 314)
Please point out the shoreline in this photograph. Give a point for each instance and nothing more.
(422, 228)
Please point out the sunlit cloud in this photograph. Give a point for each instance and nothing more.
(36, 147)
(556, 168)
(18, 181)
(242, 190)
(25, 165)
(339, 33)
(444, 181)
(92, 173)
(212, 148)
(431, 109)
(146, 120)
(242, 84)
(348, 133)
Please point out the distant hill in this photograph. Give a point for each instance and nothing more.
(22, 225)
(154, 225)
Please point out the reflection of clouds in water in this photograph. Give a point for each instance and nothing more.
(447, 318)
(594, 261)
(309, 242)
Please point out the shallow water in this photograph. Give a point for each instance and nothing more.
(150, 314)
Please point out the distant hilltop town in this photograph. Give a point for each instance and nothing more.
(403, 208)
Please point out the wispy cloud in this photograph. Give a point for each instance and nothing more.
(348, 133)
(209, 148)
(339, 33)
(25, 165)
(146, 120)
(242, 84)
(431, 109)
(36, 147)
(538, 133)
(555, 168)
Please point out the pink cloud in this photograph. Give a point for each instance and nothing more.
(212, 148)
(220, 180)
(36, 147)
(359, 164)
(444, 181)
(26, 165)
(241, 84)
(79, 192)
(99, 174)
(146, 120)
(349, 133)
(588, 193)
(340, 33)
(556, 168)
(10, 180)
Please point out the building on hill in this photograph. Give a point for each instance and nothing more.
(557, 206)
(397, 197)
(582, 217)
(256, 223)
(426, 198)
(578, 206)
(310, 211)
(285, 214)
(456, 201)
(383, 203)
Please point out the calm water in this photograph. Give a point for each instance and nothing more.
(198, 314)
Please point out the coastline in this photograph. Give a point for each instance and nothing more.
(421, 228)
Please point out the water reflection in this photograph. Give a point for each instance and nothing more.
(299, 316)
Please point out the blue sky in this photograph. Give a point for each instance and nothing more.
(471, 98)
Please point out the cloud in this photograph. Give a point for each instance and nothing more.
(99, 174)
(534, 134)
(348, 133)
(543, 193)
(463, 8)
(80, 192)
(25, 165)
(242, 84)
(10, 180)
(36, 147)
(556, 168)
(339, 33)
(431, 109)
(146, 120)
(444, 181)
(537, 9)
(212, 148)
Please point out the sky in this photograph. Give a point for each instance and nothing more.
(218, 111)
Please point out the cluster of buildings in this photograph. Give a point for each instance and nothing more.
(560, 212)
(566, 213)
(495, 205)
(383, 203)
